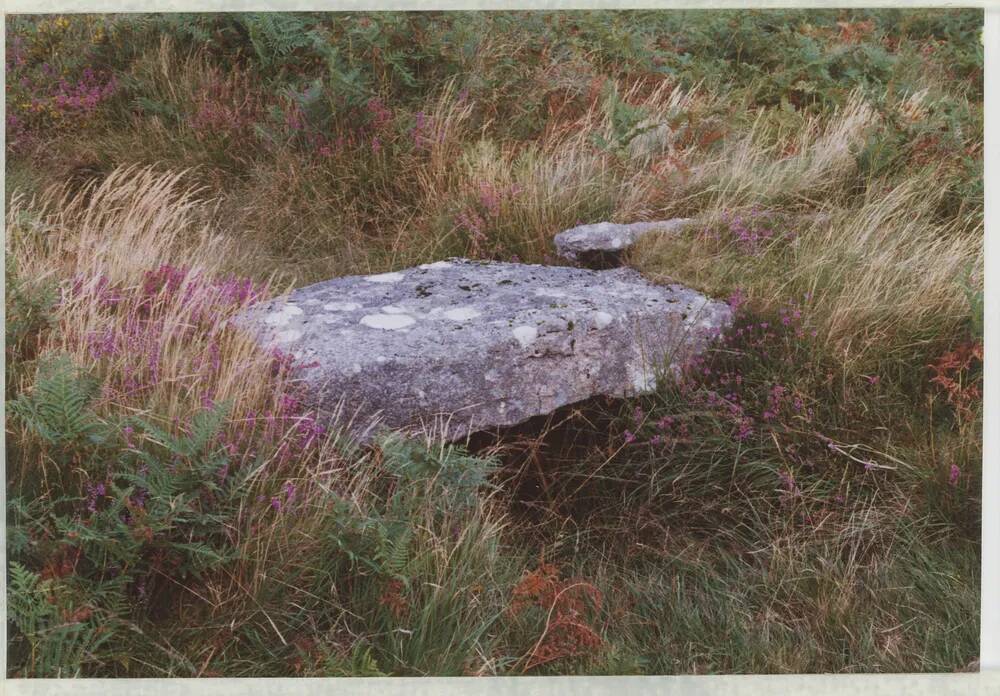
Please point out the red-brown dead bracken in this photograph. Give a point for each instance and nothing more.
(567, 633)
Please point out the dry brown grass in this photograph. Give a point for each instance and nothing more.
(816, 162)
(882, 274)
(134, 222)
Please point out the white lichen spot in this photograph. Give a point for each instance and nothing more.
(390, 322)
(616, 243)
(602, 319)
(462, 313)
(282, 316)
(385, 278)
(525, 335)
(288, 336)
(435, 266)
(392, 309)
(341, 306)
(276, 319)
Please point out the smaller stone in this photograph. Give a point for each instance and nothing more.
(600, 245)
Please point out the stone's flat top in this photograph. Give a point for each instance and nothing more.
(609, 237)
(447, 307)
(495, 342)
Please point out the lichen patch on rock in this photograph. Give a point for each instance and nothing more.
(385, 278)
(525, 335)
(390, 322)
(461, 313)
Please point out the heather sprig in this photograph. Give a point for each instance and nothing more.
(751, 231)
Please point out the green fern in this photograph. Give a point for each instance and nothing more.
(274, 36)
(626, 124)
(451, 476)
(26, 603)
(424, 483)
(58, 407)
(184, 25)
(56, 647)
(204, 428)
(394, 549)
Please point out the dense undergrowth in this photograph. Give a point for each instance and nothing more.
(806, 497)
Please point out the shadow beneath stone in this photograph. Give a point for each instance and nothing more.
(600, 260)
(548, 462)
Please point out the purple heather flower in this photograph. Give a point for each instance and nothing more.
(789, 481)
(745, 429)
(94, 492)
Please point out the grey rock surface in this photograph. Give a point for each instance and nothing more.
(467, 345)
(601, 244)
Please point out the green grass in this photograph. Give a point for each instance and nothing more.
(804, 499)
